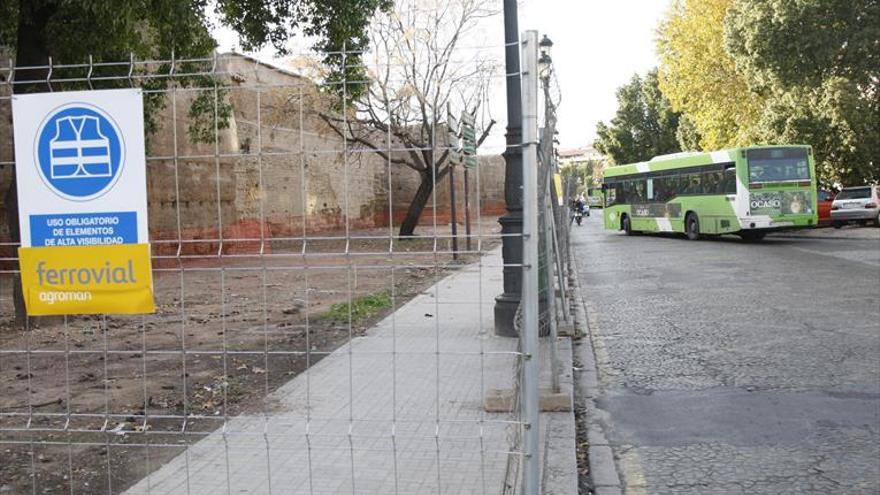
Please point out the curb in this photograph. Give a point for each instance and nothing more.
(604, 477)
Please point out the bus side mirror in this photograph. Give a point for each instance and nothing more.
(604, 187)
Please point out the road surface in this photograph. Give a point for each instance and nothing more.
(728, 367)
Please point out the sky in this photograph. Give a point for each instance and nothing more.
(598, 46)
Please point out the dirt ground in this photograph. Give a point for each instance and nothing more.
(92, 404)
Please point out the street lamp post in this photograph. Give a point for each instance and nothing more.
(511, 223)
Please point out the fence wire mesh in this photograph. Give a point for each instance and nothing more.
(302, 343)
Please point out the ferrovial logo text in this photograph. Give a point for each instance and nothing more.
(107, 274)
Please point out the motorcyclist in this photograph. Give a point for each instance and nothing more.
(578, 208)
(581, 204)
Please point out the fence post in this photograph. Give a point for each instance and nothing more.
(529, 334)
(555, 366)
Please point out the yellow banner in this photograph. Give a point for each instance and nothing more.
(557, 181)
(69, 280)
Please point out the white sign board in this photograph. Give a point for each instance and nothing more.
(80, 167)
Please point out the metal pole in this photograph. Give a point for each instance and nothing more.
(467, 211)
(511, 223)
(529, 337)
(452, 212)
(560, 271)
(555, 366)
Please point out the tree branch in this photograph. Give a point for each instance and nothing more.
(331, 122)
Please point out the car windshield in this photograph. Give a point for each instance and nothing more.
(860, 193)
(778, 164)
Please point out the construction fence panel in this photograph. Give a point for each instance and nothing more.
(301, 343)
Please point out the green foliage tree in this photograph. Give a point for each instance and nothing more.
(817, 65)
(585, 174)
(701, 79)
(644, 126)
(687, 135)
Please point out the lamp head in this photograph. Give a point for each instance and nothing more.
(545, 45)
(544, 65)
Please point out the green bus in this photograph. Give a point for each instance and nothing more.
(745, 191)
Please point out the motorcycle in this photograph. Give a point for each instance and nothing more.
(579, 212)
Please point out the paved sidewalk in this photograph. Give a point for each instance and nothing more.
(370, 418)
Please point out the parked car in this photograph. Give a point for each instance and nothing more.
(856, 204)
(823, 201)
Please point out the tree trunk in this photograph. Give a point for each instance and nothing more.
(10, 201)
(31, 49)
(417, 205)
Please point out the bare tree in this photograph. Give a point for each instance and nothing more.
(414, 70)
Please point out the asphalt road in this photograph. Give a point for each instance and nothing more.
(728, 367)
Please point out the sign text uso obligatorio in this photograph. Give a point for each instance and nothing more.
(84, 229)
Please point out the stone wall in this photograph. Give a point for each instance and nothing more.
(277, 170)
(488, 177)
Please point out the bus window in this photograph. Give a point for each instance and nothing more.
(693, 184)
(778, 164)
(625, 194)
(612, 190)
(649, 191)
(664, 188)
(728, 182)
(668, 188)
(712, 182)
(610, 194)
(638, 191)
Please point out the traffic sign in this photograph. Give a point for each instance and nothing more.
(469, 140)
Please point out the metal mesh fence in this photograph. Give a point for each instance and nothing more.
(300, 343)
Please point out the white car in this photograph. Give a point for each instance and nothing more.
(856, 204)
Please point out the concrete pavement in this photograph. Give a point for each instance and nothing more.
(397, 411)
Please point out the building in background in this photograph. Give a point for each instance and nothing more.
(581, 169)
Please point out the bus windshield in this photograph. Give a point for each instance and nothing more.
(778, 165)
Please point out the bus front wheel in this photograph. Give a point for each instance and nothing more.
(626, 225)
(692, 226)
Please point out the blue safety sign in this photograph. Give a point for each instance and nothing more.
(80, 151)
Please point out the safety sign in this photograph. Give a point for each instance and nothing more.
(81, 177)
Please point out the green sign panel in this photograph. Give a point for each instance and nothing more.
(469, 140)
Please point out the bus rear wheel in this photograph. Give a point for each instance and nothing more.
(692, 227)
